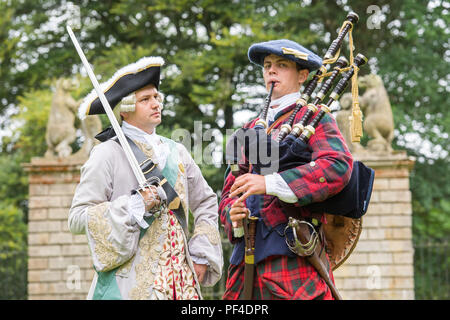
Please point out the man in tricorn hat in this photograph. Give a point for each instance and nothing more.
(273, 198)
(138, 237)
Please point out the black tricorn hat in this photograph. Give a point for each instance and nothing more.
(125, 81)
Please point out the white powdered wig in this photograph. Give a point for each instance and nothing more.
(131, 68)
(161, 99)
(128, 103)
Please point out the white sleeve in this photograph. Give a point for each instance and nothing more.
(276, 186)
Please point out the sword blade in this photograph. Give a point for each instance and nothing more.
(123, 141)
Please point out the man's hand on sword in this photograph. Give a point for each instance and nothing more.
(151, 198)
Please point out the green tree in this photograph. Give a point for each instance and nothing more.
(13, 253)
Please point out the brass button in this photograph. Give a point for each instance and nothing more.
(322, 179)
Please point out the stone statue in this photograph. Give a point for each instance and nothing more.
(378, 119)
(61, 129)
(90, 126)
(343, 121)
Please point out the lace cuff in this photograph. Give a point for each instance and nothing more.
(136, 210)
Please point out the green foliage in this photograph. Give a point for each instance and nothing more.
(13, 253)
(12, 230)
(430, 187)
(27, 140)
(13, 182)
(431, 268)
(34, 108)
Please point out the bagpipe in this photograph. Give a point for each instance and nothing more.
(290, 148)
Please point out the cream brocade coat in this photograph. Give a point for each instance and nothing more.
(157, 263)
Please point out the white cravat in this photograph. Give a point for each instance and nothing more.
(281, 103)
(160, 150)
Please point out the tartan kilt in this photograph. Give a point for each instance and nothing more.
(279, 278)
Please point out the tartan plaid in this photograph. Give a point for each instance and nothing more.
(283, 277)
(279, 278)
(333, 162)
(332, 169)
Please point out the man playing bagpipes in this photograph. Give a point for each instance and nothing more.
(138, 235)
(275, 219)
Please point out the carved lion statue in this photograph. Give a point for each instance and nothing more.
(90, 126)
(60, 126)
(378, 119)
(61, 129)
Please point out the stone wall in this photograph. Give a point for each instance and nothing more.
(59, 263)
(381, 266)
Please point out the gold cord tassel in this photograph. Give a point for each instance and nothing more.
(357, 116)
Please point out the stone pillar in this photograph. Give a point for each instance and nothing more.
(59, 263)
(382, 266)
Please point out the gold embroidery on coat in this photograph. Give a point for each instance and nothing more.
(174, 204)
(146, 149)
(126, 267)
(162, 263)
(100, 229)
(209, 230)
(145, 269)
(180, 189)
